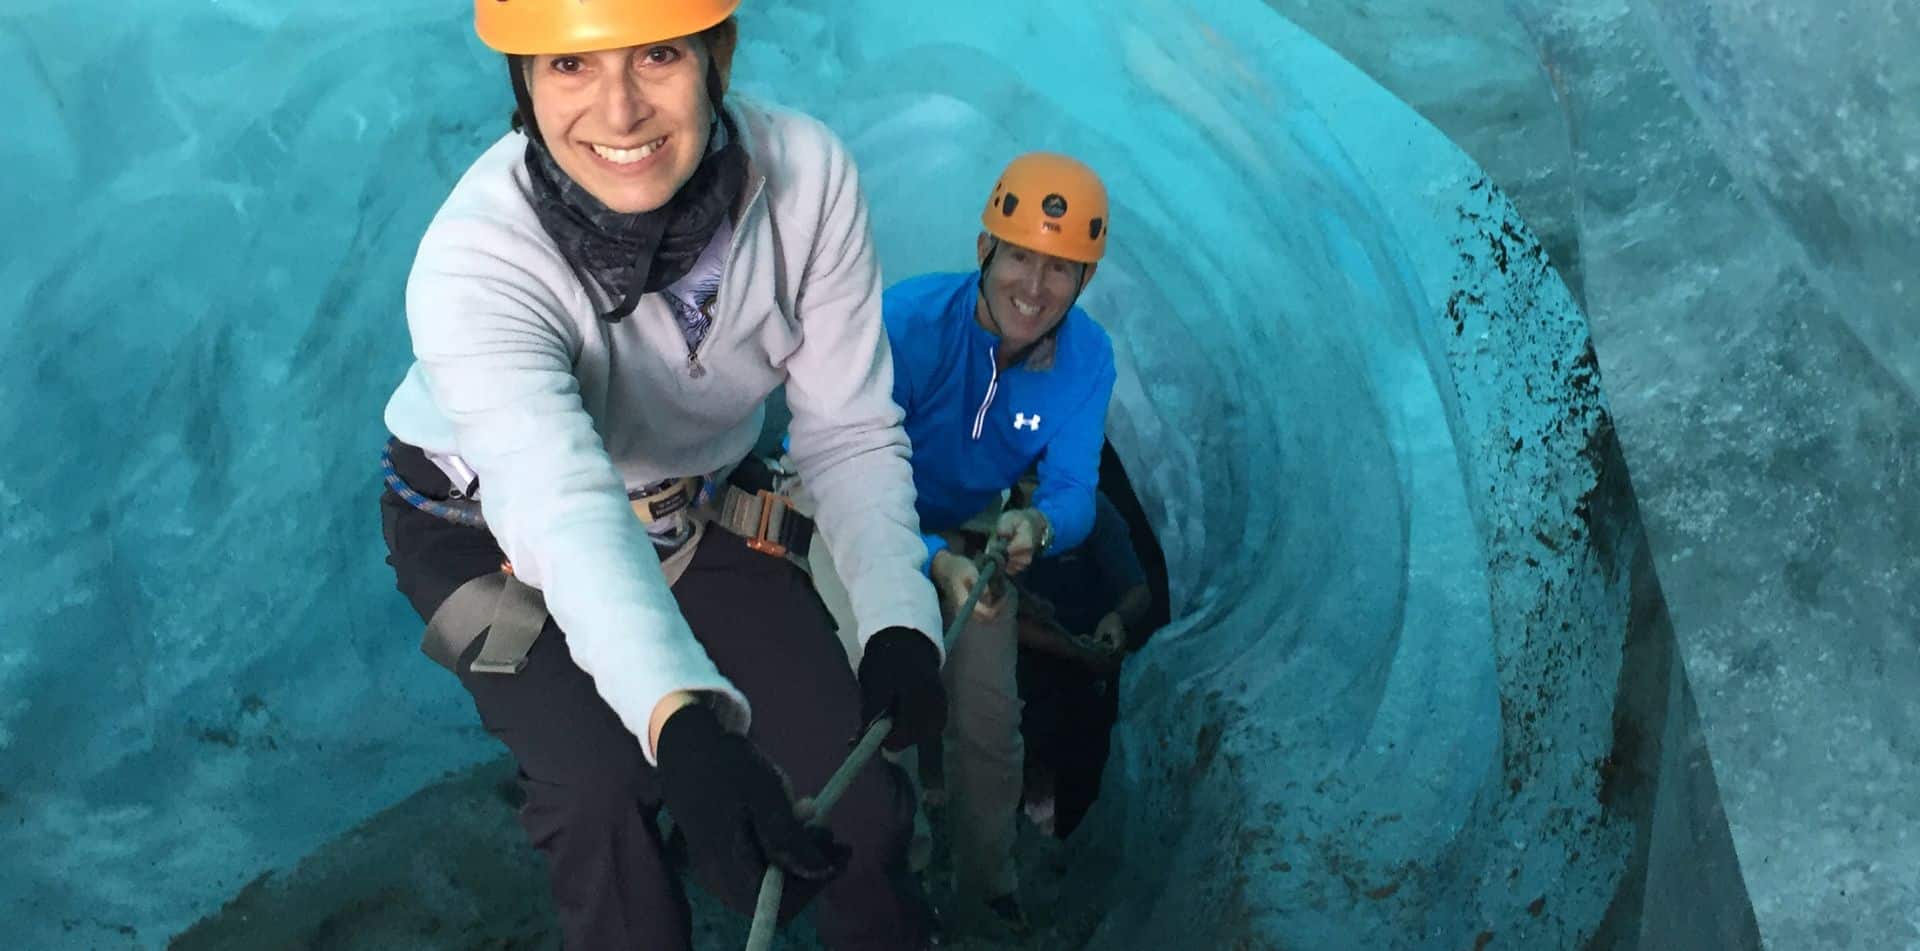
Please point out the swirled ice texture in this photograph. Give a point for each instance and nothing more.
(1421, 690)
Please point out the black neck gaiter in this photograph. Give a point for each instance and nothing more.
(634, 254)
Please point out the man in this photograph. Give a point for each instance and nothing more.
(1000, 374)
(1079, 613)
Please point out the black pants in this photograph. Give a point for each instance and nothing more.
(1067, 724)
(591, 797)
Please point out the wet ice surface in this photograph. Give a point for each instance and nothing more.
(1812, 110)
(1774, 451)
(1776, 457)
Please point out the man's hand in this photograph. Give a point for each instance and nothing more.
(954, 577)
(1022, 528)
(1050, 638)
(1111, 633)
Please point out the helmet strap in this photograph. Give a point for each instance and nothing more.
(986, 299)
(523, 119)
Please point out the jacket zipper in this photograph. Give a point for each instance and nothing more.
(694, 369)
(993, 384)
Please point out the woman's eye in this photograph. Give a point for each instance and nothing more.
(567, 65)
(661, 55)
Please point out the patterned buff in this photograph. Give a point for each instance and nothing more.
(634, 254)
(691, 294)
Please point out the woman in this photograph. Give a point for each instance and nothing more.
(598, 312)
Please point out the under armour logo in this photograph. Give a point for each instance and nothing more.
(1023, 421)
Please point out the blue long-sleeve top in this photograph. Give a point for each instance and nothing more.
(976, 429)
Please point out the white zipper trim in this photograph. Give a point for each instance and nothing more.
(993, 384)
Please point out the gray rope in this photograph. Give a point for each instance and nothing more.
(813, 812)
(991, 562)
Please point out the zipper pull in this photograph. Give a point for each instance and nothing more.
(694, 369)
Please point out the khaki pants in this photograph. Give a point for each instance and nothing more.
(985, 756)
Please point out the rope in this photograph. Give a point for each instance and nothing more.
(773, 885)
(459, 513)
(991, 562)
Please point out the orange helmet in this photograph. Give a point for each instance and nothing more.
(1052, 204)
(531, 27)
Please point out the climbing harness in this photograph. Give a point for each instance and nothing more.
(757, 508)
(510, 613)
(813, 811)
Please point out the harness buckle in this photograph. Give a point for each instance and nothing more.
(767, 521)
(767, 538)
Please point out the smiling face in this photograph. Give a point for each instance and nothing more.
(629, 125)
(1026, 293)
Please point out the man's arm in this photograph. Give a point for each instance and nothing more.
(1111, 546)
(1049, 638)
(1121, 628)
(1069, 467)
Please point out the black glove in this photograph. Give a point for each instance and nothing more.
(900, 678)
(736, 813)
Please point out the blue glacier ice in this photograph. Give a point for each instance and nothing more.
(1374, 262)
